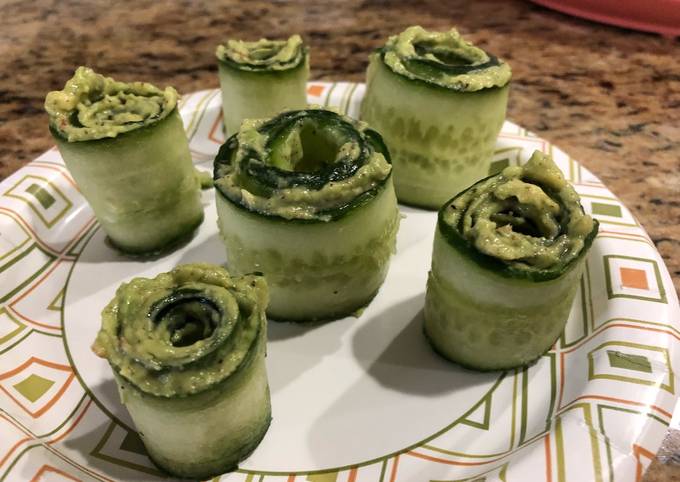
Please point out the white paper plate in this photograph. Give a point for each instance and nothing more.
(360, 399)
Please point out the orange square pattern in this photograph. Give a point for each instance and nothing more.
(61, 475)
(634, 278)
(315, 90)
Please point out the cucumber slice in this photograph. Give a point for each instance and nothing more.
(507, 257)
(210, 433)
(187, 350)
(125, 146)
(322, 270)
(260, 79)
(439, 103)
(322, 225)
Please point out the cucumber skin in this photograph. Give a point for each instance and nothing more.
(315, 271)
(485, 321)
(441, 141)
(257, 95)
(209, 433)
(140, 184)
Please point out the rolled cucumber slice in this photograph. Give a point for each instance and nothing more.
(260, 79)
(507, 257)
(317, 270)
(439, 102)
(125, 146)
(187, 350)
(307, 199)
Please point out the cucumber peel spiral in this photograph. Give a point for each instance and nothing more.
(92, 106)
(302, 165)
(306, 197)
(263, 55)
(526, 222)
(259, 79)
(439, 103)
(125, 146)
(443, 59)
(187, 349)
(508, 254)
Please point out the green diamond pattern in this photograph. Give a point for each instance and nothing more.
(44, 198)
(133, 443)
(34, 387)
(58, 302)
(327, 477)
(480, 424)
(8, 333)
(604, 209)
(115, 454)
(626, 361)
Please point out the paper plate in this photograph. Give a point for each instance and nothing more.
(359, 399)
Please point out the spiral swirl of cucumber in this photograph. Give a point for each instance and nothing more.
(187, 350)
(306, 198)
(125, 146)
(439, 103)
(260, 79)
(508, 255)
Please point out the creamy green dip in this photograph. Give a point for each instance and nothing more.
(444, 59)
(528, 217)
(184, 331)
(92, 106)
(304, 147)
(264, 54)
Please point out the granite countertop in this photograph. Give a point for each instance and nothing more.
(608, 96)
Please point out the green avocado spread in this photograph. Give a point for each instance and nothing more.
(444, 59)
(264, 54)
(92, 106)
(528, 217)
(305, 146)
(183, 331)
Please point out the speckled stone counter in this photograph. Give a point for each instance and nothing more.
(607, 96)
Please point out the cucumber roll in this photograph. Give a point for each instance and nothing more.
(260, 79)
(124, 144)
(187, 349)
(306, 198)
(439, 103)
(508, 255)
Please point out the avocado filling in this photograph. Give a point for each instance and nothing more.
(529, 218)
(263, 55)
(184, 331)
(92, 106)
(301, 164)
(444, 59)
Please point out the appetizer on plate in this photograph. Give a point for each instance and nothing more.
(307, 198)
(439, 103)
(260, 79)
(187, 351)
(124, 144)
(508, 254)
